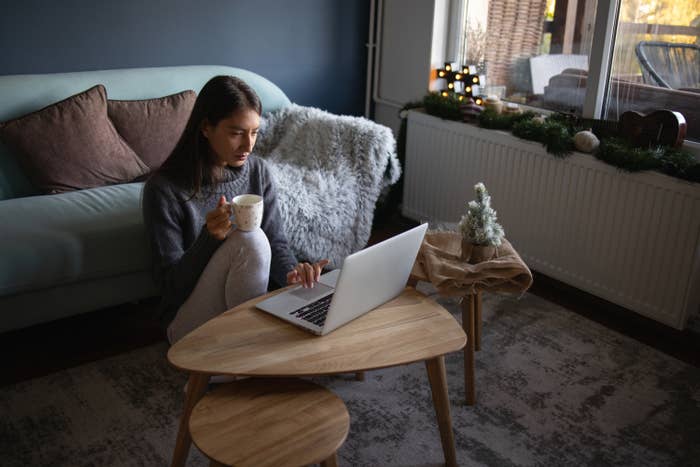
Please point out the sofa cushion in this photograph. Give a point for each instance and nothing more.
(152, 127)
(69, 237)
(72, 145)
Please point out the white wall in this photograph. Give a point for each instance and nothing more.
(405, 53)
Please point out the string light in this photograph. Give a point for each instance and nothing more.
(452, 76)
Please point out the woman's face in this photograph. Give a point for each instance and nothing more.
(232, 139)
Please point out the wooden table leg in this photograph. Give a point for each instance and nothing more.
(477, 323)
(468, 318)
(331, 461)
(196, 387)
(441, 401)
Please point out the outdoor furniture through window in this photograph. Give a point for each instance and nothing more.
(543, 67)
(669, 65)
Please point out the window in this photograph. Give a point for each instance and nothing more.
(538, 52)
(656, 60)
(519, 46)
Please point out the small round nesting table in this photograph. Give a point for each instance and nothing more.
(261, 422)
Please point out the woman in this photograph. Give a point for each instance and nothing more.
(202, 264)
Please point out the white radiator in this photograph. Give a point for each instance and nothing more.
(632, 239)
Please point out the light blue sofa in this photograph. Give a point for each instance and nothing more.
(70, 253)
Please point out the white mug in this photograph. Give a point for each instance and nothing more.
(248, 211)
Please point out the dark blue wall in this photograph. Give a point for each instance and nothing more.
(313, 49)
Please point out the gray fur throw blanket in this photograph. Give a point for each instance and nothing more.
(329, 171)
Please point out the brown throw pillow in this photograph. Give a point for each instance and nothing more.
(72, 145)
(152, 127)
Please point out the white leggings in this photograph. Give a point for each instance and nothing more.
(238, 271)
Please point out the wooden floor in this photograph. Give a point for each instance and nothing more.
(45, 348)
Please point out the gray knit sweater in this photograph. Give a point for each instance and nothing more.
(180, 244)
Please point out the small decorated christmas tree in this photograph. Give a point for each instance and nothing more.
(478, 225)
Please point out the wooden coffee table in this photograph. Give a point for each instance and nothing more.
(247, 342)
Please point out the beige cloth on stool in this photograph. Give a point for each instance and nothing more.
(439, 261)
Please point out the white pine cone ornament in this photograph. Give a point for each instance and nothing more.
(586, 141)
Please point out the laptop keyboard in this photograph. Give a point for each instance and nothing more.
(315, 312)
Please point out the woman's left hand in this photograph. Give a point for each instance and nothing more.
(307, 274)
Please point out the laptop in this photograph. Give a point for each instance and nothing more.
(367, 279)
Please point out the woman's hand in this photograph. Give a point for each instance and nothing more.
(307, 274)
(219, 219)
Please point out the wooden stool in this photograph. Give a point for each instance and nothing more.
(471, 323)
(270, 422)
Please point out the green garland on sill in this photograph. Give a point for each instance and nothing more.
(444, 107)
(492, 120)
(673, 162)
(556, 135)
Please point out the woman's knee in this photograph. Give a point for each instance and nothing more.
(249, 245)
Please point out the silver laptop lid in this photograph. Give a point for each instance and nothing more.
(373, 276)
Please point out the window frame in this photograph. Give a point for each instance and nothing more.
(600, 58)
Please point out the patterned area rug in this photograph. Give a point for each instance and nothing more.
(553, 388)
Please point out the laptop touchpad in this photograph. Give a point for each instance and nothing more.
(315, 293)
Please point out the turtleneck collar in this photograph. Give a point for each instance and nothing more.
(230, 177)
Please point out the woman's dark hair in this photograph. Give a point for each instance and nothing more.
(191, 163)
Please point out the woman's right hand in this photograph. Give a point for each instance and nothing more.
(219, 220)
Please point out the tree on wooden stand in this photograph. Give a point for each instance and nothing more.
(481, 234)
